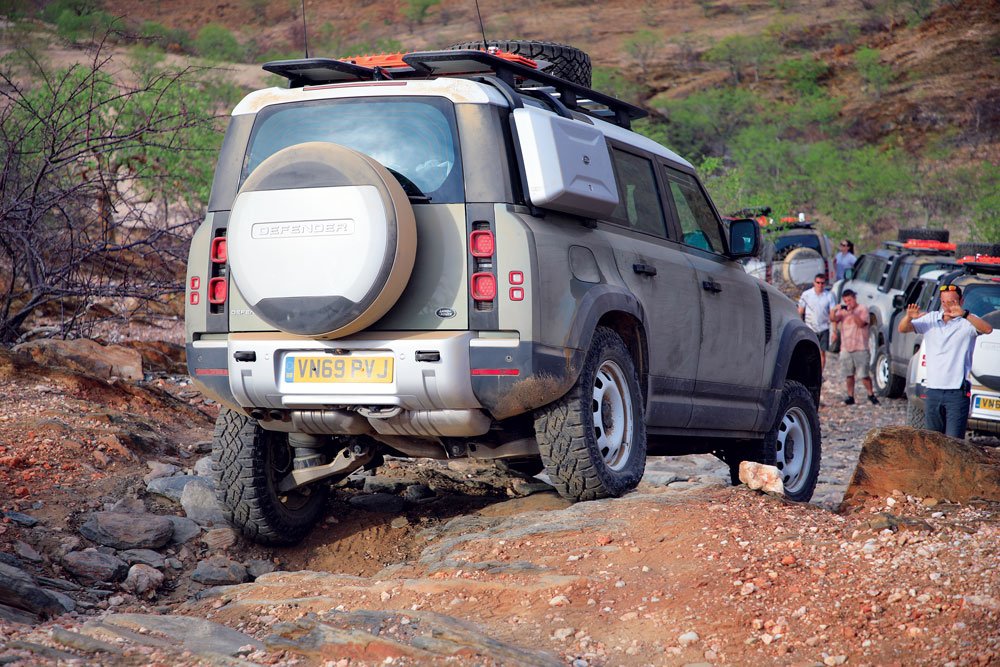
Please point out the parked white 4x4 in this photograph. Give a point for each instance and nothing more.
(454, 254)
(980, 282)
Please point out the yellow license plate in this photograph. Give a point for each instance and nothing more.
(327, 368)
(987, 403)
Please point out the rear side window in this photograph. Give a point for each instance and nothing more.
(639, 198)
(414, 137)
(699, 226)
(982, 299)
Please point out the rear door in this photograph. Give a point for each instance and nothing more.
(730, 360)
(663, 280)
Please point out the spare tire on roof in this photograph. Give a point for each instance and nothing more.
(322, 240)
(566, 62)
(972, 249)
(923, 235)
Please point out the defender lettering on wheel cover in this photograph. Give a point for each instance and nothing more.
(464, 253)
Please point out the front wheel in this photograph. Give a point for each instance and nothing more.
(793, 445)
(249, 462)
(593, 440)
(886, 382)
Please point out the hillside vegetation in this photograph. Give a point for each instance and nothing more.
(866, 115)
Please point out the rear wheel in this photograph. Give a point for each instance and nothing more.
(941, 235)
(566, 62)
(793, 445)
(249, 462)
(886, 382)
(593, 440)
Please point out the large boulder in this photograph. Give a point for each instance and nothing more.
(93, 567)
(104, 361)
(923, 464)
(128, 531)
(19, 591)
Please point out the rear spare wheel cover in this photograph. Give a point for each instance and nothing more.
(802, 265)
(321, 240)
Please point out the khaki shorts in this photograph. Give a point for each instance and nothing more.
(856, 363)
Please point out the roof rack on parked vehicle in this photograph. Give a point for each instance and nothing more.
(981, 263)
(516, 71)
(921, 245)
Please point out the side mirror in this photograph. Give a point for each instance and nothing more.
(744, 238)
(898, 301)
(849, 274)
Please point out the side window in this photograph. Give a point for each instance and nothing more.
(903, 275)
(639, 196)
(860, 267)
(927, 295)
(699, 226)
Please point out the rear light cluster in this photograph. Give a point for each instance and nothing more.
(218, 283)
(483, 283)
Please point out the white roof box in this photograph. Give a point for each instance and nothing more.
(566, 162)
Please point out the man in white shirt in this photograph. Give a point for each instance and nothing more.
(814, 307)
(949, 340)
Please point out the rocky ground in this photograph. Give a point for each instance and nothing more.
(112, 534)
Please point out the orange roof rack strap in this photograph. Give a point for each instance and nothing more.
(928, 245)
(392, 60)
(979, 259)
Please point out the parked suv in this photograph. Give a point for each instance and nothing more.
(979, 278)
(878, 277)
(453, 254)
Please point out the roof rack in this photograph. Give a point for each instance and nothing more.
(981, 263)
(920, 245)
(512, 69)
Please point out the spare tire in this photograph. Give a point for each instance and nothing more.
(923, 235)
(801, 266)
(564, 61)
(972, 249)
(322, 240)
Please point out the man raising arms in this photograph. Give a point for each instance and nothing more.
(949, 340)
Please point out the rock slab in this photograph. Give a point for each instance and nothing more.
(18, 590)
(220, 571)
(923, 464)
(128, 531)
(104, 361)
(201, 505)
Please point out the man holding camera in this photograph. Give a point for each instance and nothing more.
(949, 340)
(853, 320)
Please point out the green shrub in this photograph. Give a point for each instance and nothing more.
(875, 75)
(741, 51)
(159, 35)
(803, 75)
(82, 20)
(216, 43)
(611, 82)
(703, 123)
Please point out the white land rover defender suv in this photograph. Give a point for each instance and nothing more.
(457, 254)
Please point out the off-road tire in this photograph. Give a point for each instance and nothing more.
(566, 434)
(796, 406)
(885, 382)
(567, 62)
(915, 416)
(941, 235)
(242, 461)
(972, 249)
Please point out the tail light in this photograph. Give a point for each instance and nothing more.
(219, 251)
(484, 286)
(218, 290)
(481, 243)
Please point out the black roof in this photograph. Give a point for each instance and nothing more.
(470, 63)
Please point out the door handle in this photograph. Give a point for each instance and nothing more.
(711, 286)
(645, 269)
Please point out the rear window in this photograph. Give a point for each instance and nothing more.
(414, 137)
(798, 241)
(982, 299)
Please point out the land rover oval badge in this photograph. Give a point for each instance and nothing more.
(445, 313)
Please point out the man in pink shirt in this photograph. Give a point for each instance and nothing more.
(853, 320)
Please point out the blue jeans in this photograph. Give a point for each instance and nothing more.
(947, 411)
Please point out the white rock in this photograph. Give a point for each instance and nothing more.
(758, 476)
(688, 638)
(559, 601)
